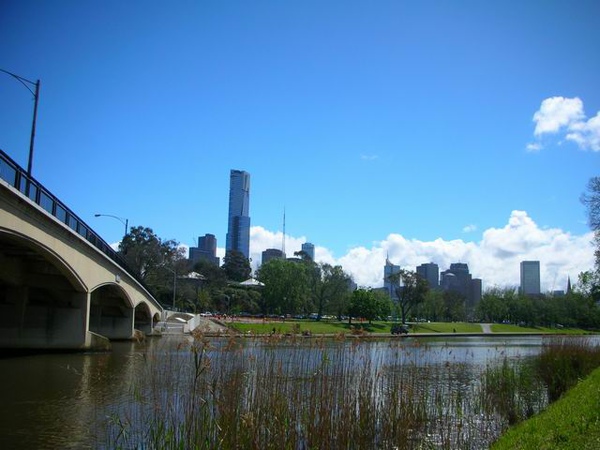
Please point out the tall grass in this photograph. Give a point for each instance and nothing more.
(289, 393)
(517, 390)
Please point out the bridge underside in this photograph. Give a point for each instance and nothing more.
(43, 305)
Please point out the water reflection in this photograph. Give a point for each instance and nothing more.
(72, 400)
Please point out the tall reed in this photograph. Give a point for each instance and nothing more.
(293, 393)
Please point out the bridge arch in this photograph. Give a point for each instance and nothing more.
(17, 247)
(43, 302)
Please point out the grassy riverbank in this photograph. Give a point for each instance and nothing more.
(573, 422)
(325, 327)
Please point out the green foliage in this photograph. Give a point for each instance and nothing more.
(571, 423)
(236, 266)
(411, 291)
(591, 200)
(576, 309)
(154, 260)
(563, 362)
(512, 391)
(368, 304)
(329, 288)
(285, 288)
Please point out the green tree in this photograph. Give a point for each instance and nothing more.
(591, 200)
(330, 286)
(368, 304)
(433, 307)
(455, 306)
(411, 290)
(236, 266)
(492, 307)
(154, 260)
(285, 289)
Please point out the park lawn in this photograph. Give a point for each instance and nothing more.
(333, 327)
(511, 328)
(314, 327)
(571, 423)
(445, 327)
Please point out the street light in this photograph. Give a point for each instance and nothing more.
(120, 219)
(174, 283)
(36, 95)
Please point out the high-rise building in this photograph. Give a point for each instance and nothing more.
(430, 272)
(309, 249)
(390, 286)
(458, 279)
(238, 226)
(272, 253)
(530, 278)
(206, 250)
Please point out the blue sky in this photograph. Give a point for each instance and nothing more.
(384, 128)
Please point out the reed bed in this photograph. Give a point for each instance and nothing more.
(289, 393)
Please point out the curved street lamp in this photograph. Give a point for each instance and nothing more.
(36, 95)
(120, 219)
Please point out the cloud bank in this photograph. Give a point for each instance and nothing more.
(565, 117)
(495, 258)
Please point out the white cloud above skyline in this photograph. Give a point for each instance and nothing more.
(495, 258)
(469, 228)
(566, 115)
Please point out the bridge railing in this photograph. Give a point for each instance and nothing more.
(14, 175)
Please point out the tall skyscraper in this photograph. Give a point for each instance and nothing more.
(530, 277)
(238, 226)
(309, 249)
(430, 272)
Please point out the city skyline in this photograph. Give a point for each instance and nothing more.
(426, 131)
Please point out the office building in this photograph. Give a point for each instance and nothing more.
(238, 226)
(389, 286)
(309, 250)
(430, 272)
(530, 278)
(458, 279)
(206, 250)
(272, 253)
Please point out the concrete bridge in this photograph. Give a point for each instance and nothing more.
(61, 285)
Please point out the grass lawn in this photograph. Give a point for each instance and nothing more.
(314, 327)
(332, 327)
(446, 327)
(509, 328)
(571, 423)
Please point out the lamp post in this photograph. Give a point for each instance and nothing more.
(174, 283)
(120, 219)
(36, 95)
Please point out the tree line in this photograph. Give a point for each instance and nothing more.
(301, 286)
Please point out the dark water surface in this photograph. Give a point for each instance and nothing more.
(54, 401)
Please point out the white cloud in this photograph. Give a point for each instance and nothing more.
(560, 114)
(495, 259)
(262, 239)
(556, 113)
(469, 228)
(586, 134)
(369, 157)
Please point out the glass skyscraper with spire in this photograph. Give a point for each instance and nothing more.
(238, 226)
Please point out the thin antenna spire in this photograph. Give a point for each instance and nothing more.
(283, 243)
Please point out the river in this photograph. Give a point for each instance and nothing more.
(69, 400)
